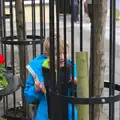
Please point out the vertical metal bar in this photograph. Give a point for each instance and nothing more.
(110, 47)
(1, 35)
(26, 57)
(12, 34)
(1, 26)
(5, 53)
(65, 34)
(24, 37)
(4, 104)
(26, 112)
(4, 27)
(111, 114)
(12, 50)
(72, 40)
(112, 55)
(65, 107)
(111, 42)
(44, 17)
(41, 24)
(65, 37)
(114, 49)
(2, 38)
(52, 58)
(58, 55)
(92, 57)
(33, 26)
(114, 43)
(72, 51)
(81, 26)
(58, 50)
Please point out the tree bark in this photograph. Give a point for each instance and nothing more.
(21, 35)
(99, 15)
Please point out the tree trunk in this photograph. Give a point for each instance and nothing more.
(21, 34)
(100, 13)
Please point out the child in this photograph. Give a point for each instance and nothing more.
(35, 89)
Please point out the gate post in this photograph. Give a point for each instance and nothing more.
(82, 83)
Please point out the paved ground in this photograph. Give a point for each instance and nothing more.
(86, 46)
(28, 14)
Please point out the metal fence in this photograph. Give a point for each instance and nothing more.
(30, 41)
(32, 44)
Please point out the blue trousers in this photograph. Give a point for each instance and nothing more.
(75, 12)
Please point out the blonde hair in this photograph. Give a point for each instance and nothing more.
(61, 45)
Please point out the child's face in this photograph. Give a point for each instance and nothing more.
(62, 59)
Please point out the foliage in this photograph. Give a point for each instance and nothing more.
(3, 80)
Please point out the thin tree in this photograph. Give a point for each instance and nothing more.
(97, 14)
(21, 35)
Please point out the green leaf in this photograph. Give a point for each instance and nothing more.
(3, 82)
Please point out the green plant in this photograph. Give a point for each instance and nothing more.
(3, 80)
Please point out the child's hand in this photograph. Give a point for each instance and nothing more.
(40, 87)
(75, 80)
(37, 88)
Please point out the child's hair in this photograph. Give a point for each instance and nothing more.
(61, 45)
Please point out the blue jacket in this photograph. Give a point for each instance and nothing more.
(31, 96)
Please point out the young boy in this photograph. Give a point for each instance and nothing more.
(35, 89)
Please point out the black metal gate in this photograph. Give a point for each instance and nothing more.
(33, 35)
(33, 44)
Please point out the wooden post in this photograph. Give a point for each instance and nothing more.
(82, 83)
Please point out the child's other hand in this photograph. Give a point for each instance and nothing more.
(40, 87)
(75, 80)
(37, 88)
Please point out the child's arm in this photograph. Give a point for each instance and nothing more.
(75, 75)
(31, 95)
